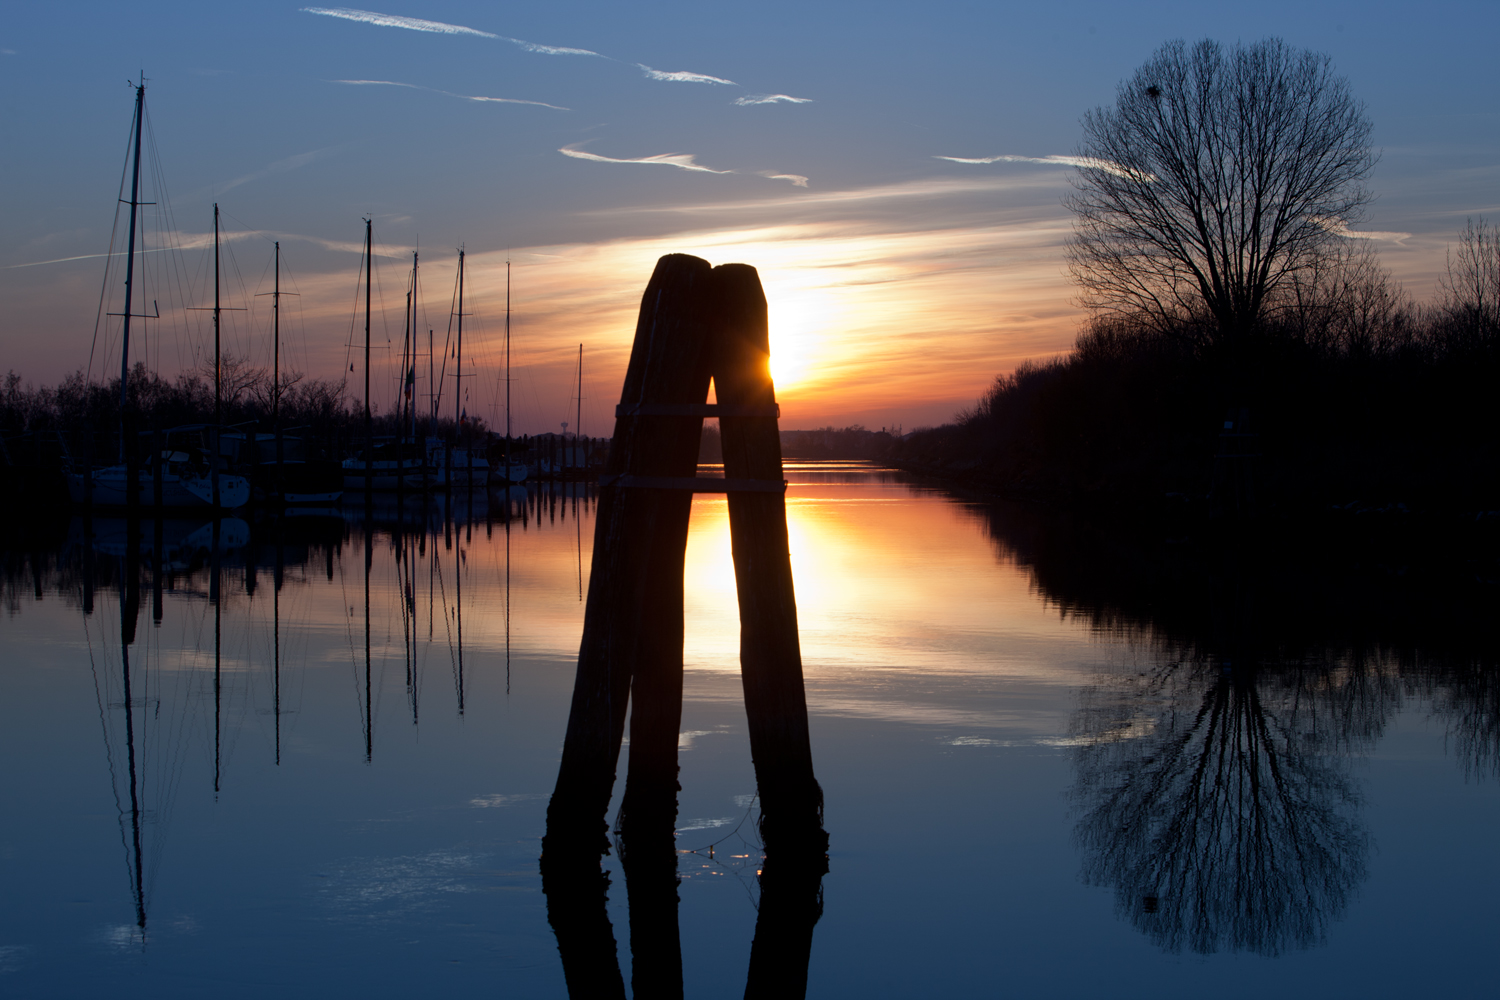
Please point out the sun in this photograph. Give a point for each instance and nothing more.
(798, 319)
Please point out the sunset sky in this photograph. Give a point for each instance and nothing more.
(582, 140)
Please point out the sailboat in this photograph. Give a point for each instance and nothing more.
(508, 473)
(389, 465)
(171, 478)
(294, 477)
(458, 464)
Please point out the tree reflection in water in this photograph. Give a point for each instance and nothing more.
(1217, 806)
(1212, 773)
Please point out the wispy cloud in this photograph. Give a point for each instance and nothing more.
(86, 256)
(397, 21)
(750, 99)
(929, 189)
(1341, 228)
(683, 161)
(682, 76)
(1085, 162)
(550, 50)
(449, 93)
(797, 179)
(440, 28)
(280, 167)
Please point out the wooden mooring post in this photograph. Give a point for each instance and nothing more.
(696, 322)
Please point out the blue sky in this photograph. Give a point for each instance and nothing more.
(900, 283)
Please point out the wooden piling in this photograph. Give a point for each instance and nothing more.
(156, 471)
(633, 627)
(695, 322)
(770, 651)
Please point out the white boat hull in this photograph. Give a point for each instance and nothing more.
(504, 474)
(110, 488)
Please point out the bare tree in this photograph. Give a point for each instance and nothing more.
(238, 379)
(1216, 176)
(1471, 288)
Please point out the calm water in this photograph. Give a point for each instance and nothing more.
(1056, 763)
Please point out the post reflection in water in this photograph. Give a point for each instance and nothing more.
(790, 904)
(1276, 746)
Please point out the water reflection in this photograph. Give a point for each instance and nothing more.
(950, 702)
(160, 697)
(790, 904)
(1213, 761)
(1216, 806)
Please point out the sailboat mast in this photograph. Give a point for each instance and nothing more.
(369, 426)
(213, 465)
(135, 200)
(507, 374)
(276, 342)
(412, 369)
(218, 394)
(458, 365)
(578, 420)
(404, 399)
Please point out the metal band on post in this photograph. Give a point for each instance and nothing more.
(695, 484)
(696, 410)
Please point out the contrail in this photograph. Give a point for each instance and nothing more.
(396, 21)
(682, 76)
(683, 161)
(280, 166)
(797, 179)
(750, 99)
(86, 256)
(1339, 227)
(449, 93)
(1086, 162)
(440, 28)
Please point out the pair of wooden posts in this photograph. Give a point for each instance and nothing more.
(697, 323)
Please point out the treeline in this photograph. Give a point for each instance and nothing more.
(87, 413)
(1347, 391)
(824, 443)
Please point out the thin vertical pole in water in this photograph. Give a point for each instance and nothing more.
(458, 613)
(276, 637)
(507, 591)
(216, 595)
(156, 581)
(137, 887)
(156, 473)
(88, 521)
(369, 715)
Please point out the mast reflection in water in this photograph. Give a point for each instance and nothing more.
(1281, 745)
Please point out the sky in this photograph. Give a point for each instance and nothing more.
(580, 141)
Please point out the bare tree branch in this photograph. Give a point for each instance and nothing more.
(1240, 168)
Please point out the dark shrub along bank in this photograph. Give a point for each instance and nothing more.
(1349, 395)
